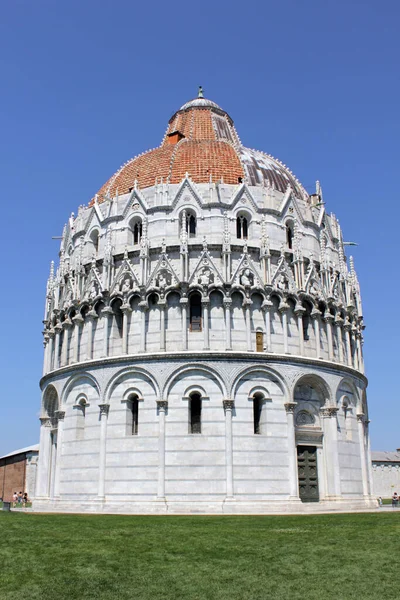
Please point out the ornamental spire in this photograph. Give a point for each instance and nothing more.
(200, 92)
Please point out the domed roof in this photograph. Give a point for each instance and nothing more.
(200, 103)
(202, 141)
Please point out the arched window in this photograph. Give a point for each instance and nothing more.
(191, 225)
(189, 222)
(242, 227)
(137, 232)
(80, 407)
(195, 312)
(289, 235)
(94, 237)
(136, 227)
(195, 413)
(257, 410)
(132, 415)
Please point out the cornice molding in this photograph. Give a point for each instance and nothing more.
(262, 359)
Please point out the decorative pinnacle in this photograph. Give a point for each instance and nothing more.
(200, 93)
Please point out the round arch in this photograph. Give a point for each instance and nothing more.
(50, 401)
(315, 382)
(275, 376)
(79, 378)
(191, 367)
(116, 379)
(341, 391)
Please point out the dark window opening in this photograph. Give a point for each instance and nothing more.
(240, 179)
(289, 236)
(137, 232)
(134, 408)
(191, 225)
(195, 413)
(242, 228)
(257, 405)
(195, 312)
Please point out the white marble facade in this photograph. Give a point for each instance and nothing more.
(188, 359)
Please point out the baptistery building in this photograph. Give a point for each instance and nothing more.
(203, 339)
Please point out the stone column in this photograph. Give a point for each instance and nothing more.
(205, 303)
(46, 354)
(54, 446)
(292, 451)
(91, 317)
(283, 310)
(184, 304)
(315, 314)
(331, 451)
(246, 306)
(355, 355)
(50, 350)
(267, 307)
(339, 325)
(299, 312)
(363, 454)
(329, 320)
(57, 329)
(228, 407)
(60, 414)
(143, 308)
(228, 318)
(106, 314)
(66, 326)
(162, 406)
(368, 458)
(163, 307)
(44, 465)
(104, 409)
(78, 322)
(347, 329)
(359, 352)
(126, 311)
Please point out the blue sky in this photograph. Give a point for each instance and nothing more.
(86, 85)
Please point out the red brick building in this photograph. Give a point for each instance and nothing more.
(18, 472)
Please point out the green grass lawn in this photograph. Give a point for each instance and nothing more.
(320, 557)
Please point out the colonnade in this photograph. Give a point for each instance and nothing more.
(51, 439)
(63, 342)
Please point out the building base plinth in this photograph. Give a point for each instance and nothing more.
(230, 506)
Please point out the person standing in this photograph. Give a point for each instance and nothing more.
(395, 500)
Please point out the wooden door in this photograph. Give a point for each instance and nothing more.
(308, 473)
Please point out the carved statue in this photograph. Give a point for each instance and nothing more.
(206, 277)
(246, 278)
(93, 292)
(313, 288)
(163, 279)
(282, 283)
(126, 285)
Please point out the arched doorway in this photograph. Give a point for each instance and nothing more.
(309, 395)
